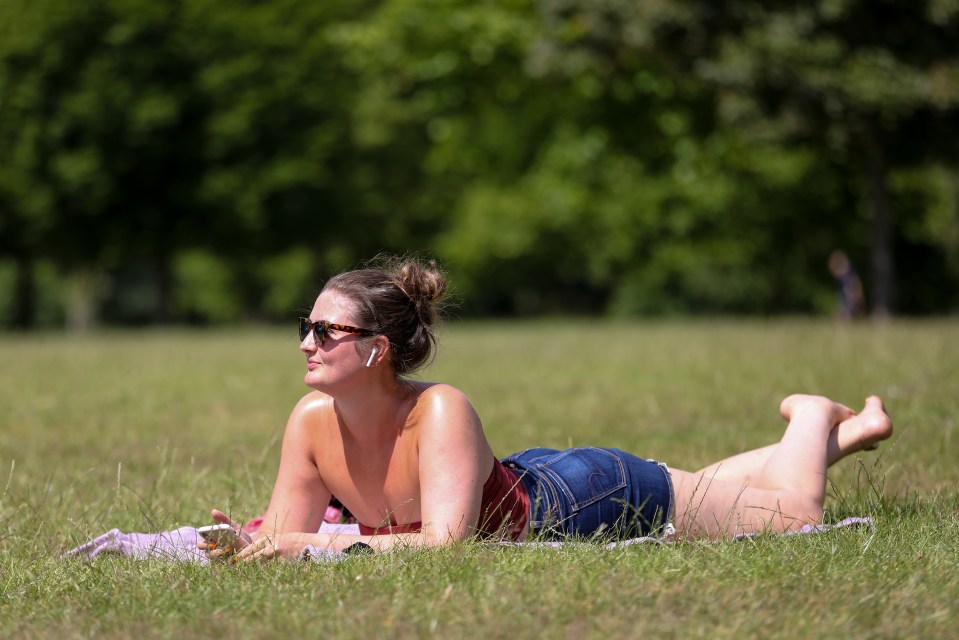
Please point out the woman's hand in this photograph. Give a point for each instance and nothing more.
(267, 546)
(243, 538)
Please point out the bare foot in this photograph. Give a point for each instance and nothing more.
(801, 402)
(870, 427)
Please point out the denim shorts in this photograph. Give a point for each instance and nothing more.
(591, 492)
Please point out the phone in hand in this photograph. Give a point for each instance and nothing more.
(219, 536)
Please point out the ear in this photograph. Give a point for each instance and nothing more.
(379, 350)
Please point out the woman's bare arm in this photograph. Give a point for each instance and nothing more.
(299, 497)
(455, 461)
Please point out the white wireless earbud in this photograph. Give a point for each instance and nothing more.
(373, 354)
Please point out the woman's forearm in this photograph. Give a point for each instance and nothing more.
(268, 543)
(386, 542)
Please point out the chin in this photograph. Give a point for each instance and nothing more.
(312, 380)
(317, 381)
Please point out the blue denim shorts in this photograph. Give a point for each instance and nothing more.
(591, 492)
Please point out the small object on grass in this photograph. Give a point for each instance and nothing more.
(358, 549)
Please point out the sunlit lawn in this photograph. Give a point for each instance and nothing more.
(147, 431)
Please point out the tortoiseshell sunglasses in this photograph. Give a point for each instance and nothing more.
(321, 329)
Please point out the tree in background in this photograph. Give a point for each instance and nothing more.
(142, 132)
(276, 150)
(872, 86)
(218, 159)
(100, 115)
(589, 175)
(875, 83)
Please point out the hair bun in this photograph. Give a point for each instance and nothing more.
(425, 285)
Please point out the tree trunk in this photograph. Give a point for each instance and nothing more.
(82, 305)
(883, 268)
(164, 277)
(25, 294)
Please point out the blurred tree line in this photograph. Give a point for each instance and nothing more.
(213, 161)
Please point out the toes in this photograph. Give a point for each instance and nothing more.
(875, 403)
(876, 421)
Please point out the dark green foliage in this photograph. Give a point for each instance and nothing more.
(209, 161)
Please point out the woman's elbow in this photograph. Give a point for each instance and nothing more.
(437, 537)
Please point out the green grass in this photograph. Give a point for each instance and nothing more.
(147, 431)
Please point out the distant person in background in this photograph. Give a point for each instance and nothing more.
(851, 301)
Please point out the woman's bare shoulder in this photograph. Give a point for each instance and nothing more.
(312, 410)
(438, 395)
(443, 407)
(312, 402)
(449, 431)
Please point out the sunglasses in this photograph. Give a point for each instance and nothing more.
(321, 329)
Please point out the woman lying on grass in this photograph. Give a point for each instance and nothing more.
(411, 462)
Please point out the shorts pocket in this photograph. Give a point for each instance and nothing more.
(584, 475)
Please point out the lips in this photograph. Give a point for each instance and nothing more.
(312, 365)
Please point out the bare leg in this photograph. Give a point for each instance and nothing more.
(858, 433)
(788, 489)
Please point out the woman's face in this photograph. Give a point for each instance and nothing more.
(343, 355)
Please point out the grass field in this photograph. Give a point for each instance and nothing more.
(146, 431)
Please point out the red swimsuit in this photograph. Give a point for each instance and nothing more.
(504, 510)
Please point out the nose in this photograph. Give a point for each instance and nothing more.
(308, 344)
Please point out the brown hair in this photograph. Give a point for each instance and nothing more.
(398, 298)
